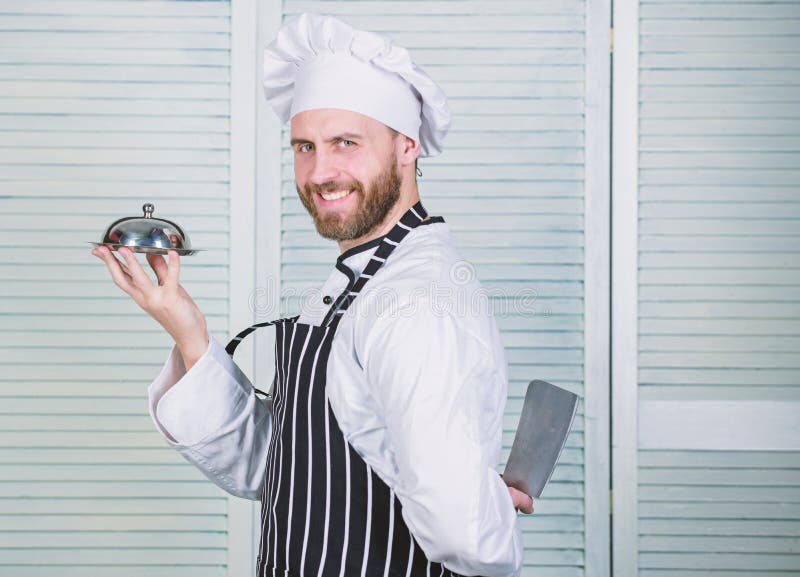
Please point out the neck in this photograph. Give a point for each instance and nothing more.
(407, 200)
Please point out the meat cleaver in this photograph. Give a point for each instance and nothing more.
(544, 425)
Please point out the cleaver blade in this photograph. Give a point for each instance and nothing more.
(544, 425)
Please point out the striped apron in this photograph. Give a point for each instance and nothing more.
(324, 511)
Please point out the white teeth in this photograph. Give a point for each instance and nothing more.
(334, 195)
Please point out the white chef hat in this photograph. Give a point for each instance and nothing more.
(318, 61)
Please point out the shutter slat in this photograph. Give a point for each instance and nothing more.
(201, 488)
(118, 23)
(467, 8)
(119, 571)
(110, 73)
(113, 506)
(120, 8)
(89, 539)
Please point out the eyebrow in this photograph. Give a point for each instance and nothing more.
(338, 137)
(346, 136)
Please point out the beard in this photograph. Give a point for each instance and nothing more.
(373, 207)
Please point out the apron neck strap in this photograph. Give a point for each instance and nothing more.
(408, 222)
(234, 342)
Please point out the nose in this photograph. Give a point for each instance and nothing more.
(323, 168)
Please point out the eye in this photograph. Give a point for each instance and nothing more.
(305, 147)
(346, 143)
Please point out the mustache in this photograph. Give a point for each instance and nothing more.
(332, 186)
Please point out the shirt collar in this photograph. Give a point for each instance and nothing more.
(358, 249)
(356, 258)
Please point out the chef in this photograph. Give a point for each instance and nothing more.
(375, 454)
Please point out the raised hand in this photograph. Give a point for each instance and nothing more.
(167, 302)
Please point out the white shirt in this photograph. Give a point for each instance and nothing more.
(417, 381)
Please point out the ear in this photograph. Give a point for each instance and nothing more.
(407, 150)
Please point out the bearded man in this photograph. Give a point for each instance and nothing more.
(375, 453)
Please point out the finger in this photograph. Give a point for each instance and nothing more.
(101, 251)
(522, 501)
(121, 262)
(135, 270)
(159, 266)
(174, 271)
(120, 277)
(527, 505)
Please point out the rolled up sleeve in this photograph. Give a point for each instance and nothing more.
(212, 417)
(442, 389)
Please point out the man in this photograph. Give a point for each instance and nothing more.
(377, 454)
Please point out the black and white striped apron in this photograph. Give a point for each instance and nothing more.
(324, 511)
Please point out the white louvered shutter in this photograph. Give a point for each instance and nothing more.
(510, 184)
(718, 284)
(104, 105)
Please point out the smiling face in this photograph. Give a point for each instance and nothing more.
(347, 173)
